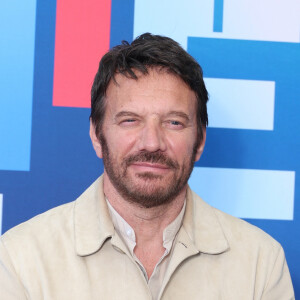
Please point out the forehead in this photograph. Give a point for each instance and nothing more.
(158, 89)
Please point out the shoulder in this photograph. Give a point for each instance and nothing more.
(239, 233)
(38, 242)
(240, 230)
(251, 256)
(58, 219)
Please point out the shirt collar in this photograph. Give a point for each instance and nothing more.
(125, 231)
(128, 234)
(93, 224)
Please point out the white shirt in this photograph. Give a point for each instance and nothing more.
(127, 234)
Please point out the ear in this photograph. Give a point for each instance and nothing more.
(95, 140)
(201, 145)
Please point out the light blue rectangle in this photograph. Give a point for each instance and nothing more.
(241, 104)
(183, 19)
(245, 193)
(17, 31)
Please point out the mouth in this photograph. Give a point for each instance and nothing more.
(150, 167)
(152, 163)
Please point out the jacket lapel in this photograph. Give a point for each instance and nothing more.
(92, 222)
(201, 232)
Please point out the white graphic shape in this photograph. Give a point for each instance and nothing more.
(245, 193)
(266, 20)
(241, 104)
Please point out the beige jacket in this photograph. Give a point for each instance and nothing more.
(73, 252)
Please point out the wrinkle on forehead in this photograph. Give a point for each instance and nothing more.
(161, 92)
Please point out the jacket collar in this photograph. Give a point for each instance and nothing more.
(93, 224)
(203, 227)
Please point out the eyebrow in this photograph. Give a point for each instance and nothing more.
(179, 114)
(125, 114)
(169, 114)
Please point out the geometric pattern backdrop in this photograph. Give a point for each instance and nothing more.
(250, 54)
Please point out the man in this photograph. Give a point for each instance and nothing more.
(139, 232)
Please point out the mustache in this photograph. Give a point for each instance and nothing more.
(152, 157)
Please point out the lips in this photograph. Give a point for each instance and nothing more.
(155, 160)
(151, 169)
(151, 165)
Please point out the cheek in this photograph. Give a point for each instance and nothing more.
(121, 144)
(182, 149)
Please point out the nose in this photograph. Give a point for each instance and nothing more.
(152, 137)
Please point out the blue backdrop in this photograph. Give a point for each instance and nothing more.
(249, 52)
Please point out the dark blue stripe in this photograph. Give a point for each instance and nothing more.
(122, 17)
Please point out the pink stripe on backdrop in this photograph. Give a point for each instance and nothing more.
(81, 39)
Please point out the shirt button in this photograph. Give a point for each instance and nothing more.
(128, 232)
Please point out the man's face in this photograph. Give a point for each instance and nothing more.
(148, 140)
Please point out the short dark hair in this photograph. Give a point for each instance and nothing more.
(148, 51)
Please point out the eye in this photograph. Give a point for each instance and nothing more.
(128, 122)
(174, 124)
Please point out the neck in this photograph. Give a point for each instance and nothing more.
(148, 223)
